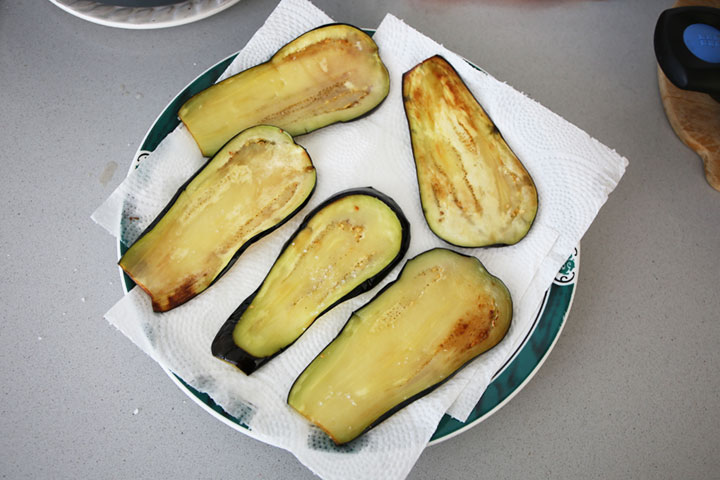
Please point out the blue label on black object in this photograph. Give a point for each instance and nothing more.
(703, 41)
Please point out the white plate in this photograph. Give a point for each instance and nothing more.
(507, 382)
(138, 18)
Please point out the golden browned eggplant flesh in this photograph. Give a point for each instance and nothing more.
(256, 182)
(442, 311)
(474, 191)
(327, 75)
(343, 248)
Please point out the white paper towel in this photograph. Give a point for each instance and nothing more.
(573, 174)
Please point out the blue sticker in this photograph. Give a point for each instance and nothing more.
(703, 41)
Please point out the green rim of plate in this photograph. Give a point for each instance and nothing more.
(507, 382)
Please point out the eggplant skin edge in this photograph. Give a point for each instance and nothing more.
(369, 112)
(224, 347)
(430, 225)
(246, 245)
(422, 393)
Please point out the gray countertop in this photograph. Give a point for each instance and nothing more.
(631, 389)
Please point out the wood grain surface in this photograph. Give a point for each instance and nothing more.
(695, 116)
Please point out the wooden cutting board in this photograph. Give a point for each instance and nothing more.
(695, 116)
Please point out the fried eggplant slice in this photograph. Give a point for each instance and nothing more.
(344, 247)
(254, 184)
(327, 75)
(474, 191)
(443, 310)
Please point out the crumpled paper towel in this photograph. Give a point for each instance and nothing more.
(573, 174)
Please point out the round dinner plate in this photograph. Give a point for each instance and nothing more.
(506, 383)
(141, 17)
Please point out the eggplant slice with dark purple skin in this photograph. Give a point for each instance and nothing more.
(443, 310)
(330, 74)
(474, 191)
(343, 248)
(256, 182)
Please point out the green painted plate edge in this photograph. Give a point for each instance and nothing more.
(506, 383)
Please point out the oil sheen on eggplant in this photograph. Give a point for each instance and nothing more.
(327, 75)
(343, 248)
(474, 191)
(253, 184)
(442, 311)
